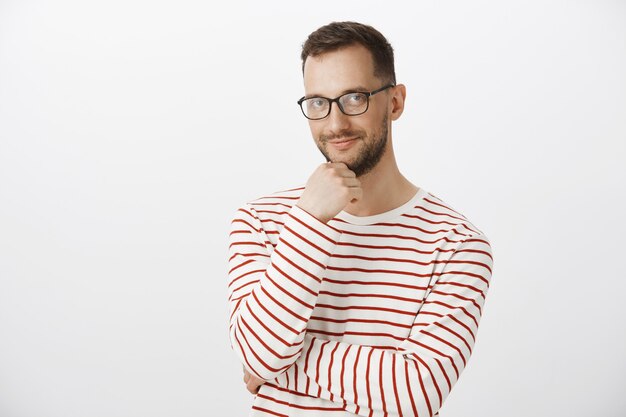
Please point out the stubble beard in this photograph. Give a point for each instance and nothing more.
(369, 156)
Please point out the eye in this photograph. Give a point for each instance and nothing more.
(316, 102)
(355, 98)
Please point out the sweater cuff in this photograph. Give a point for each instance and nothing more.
(313, 229)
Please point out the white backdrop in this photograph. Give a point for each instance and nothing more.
(131, 130)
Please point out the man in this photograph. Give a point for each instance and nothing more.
(359, 293)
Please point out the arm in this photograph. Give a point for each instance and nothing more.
(272, 291)
(415, 378)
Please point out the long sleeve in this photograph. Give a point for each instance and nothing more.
(416, 377)
(272, 290)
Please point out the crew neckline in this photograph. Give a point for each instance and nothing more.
(387, 215)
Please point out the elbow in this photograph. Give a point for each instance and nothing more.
(266, 359)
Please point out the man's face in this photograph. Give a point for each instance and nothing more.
(358, 141)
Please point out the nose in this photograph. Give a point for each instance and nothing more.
(336, 121)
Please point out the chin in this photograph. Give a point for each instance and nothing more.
(342, 160)
(345, 157)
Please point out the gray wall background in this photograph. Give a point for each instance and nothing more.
(131, 130)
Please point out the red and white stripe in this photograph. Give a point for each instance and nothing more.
(373, 316)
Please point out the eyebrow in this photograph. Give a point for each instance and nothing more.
(358, 88)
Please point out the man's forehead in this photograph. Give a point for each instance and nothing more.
(342, 70)
(347, 56)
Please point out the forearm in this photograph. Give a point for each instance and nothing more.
(367, 379)
(272, 299)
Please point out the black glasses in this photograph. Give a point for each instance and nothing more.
(350, 104)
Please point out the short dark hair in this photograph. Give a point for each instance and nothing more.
(338, 35)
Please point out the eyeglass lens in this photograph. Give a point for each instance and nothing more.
(350, 104)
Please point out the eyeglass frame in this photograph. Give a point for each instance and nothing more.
(367, 94)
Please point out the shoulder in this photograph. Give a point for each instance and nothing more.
(460, 236)
(279, 200)
(447, 219)
(270, 209)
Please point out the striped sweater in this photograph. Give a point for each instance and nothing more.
(368, 316)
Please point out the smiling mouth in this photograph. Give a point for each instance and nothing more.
(342, 143)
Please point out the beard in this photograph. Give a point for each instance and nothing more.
(370, 155)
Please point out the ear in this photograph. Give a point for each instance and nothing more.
(397, 101)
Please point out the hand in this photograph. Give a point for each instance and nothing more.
(252, 382)
(329, 189)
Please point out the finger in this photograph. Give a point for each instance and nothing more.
(253, 388)
(351, 182)
(341, 169)
(246, 377)
(346, 172)
(356, 193)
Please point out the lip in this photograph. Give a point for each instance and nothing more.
(343, 143)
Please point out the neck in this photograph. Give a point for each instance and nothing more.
(384, 188)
